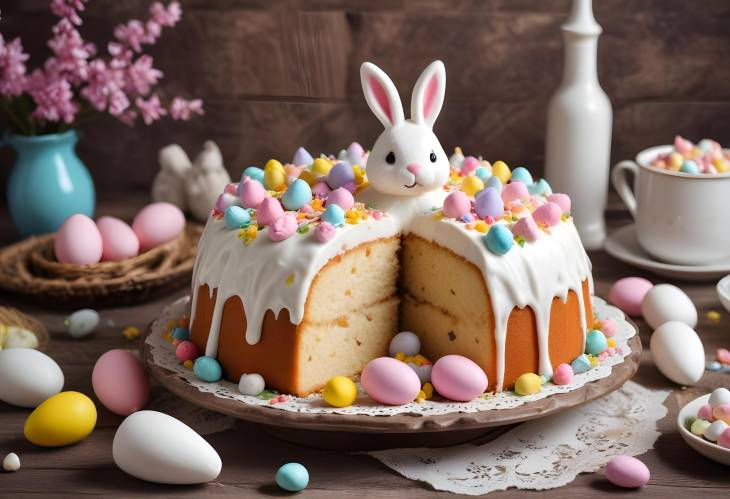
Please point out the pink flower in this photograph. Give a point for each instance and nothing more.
(53, 96)
(71, 52)
(140, 76)
(131, 34)
(151, 109)
(68, 9)
(166, 16)
(12, 67)
(181, 109)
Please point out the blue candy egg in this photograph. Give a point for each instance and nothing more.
(714, 366)
(483, 173)
(339, 175)
(488, 202)
(207, 369)
(580, 364)
(689, 166)
(254, 173)
(499, 239)
(495, 183)
(292, 477)
(595, 342)
(302, 157)
(540, 188)
(334, 215)
(236, 217)
(181, 333)
(297, 195)
(521, 174)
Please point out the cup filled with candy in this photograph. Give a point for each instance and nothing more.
(704, 424)
(707, 157)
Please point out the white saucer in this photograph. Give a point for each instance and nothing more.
(624, 246)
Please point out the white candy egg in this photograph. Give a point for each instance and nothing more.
(82, 322)
(158, 448)
(719, 396)
(28, 377)
(406, 342)
(251, 384)
(11, 462)
(666, 302)
(713, 432)
(678, 352)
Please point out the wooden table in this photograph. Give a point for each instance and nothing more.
(251, 457)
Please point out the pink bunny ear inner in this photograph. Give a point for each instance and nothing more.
(381, 96)
(428, 94)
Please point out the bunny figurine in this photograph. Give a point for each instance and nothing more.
(169, 183)
(407, 166)
(207, 179)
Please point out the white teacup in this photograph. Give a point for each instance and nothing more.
(680, 217)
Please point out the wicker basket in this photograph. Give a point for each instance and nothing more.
(10, 316)
(29, 268)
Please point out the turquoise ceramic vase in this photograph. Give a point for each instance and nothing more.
(48, 183)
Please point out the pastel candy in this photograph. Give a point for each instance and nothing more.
(540, 188)
(682, 146)
(488, 203)
(528, 384)
(406, 342)
(274, 176)
(608, 326)
(723, 355)
(562, 200)
(456, 205)
(231, 188)
(705, 412)
(724, 440)
(526, 228)
(690, 166)
(268, 211)
(523, 175)
(501, 171)
(302, 157)
(628, 293)
(339, 175)
(580, 364)
(334, 215)
(297, 195)
(324, 232)
(224, 201)
(186, 350)
(251, 192)
(563, 374)
(627, 471)
(342, 198)
(722, 412)
(321, 166)
(355, 154)
(717, 428)
(483, 173)
(321, 190)
(699, 427)
(469, 164)
(283, 227)
(514, 191)
(471, 185)
(457, 158)
(207, 369)
(254, 173)
(595, 342)
(390, 381)
(293, 172)
(719, 396)
(495, 183)
(236, 217)
(499, 240)
(458, 378)
(549, 214)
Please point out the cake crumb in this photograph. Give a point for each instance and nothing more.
(452, 336)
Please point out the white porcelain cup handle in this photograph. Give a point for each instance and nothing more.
(621, 183)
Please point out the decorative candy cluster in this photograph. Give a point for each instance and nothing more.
(506, 205)
(305, 195)
(722, 364)
(705, 157)
(713, 419)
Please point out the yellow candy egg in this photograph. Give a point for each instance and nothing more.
(675, 161)
(501, 171)
(722, 165)
(339, 391)
(321, 166)
(527, 384)
(309, 177)
(274, 176)
(471, 185)
(64, 419)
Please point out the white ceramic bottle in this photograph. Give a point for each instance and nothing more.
(579, 128)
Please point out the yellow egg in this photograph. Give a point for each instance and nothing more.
(309, 177)
(527, 384)
(65, 418)
(274, 176)
(501, 171)
(722, 165)
(339, 392)
(471, 185)
(321, 166)
(675, 161)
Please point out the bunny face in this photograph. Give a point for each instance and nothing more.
(407, 159)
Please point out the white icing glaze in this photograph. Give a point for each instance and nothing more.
(527, 276)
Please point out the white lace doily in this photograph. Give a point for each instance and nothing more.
(163, 355)
(544, 453)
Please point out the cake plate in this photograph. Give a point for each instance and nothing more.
(336, 430)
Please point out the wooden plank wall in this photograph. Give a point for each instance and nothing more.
(275, 74)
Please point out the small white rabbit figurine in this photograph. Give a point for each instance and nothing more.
(207, 179)
(407, 166)
(169, 183)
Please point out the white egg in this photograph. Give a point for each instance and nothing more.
(678, 352)
(11, 462)
(158, 448)
(719, 396)
(251, 384)
(666, 302)
(82, 322)
(28, 377)
(713, 432)
(406, 342)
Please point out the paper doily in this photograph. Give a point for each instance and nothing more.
(544, 453)
(163, 355)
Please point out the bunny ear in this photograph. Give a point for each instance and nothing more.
(381, 95)
(428, 94)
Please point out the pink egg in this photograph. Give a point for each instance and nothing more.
(563, 374)
(628, 293)
(723, 355)
(158, 223)
(120, 382)
(251, 192)
(187, 350)
(627, 471)
(321, 190)
(724, 440)
(283, 227)
(342, 198)
(118, 239)
(469, 164)
(513, 191)
(722, 412)
(231, 188)
(456, 205)
(705, 413)
(224, 201)
(526, 227)
(390, 381)
(78, 241)
(608, 327)
(458, 378)
(549, 214)
(562, 200)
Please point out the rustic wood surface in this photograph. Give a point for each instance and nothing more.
(278, 74)
(251, 456)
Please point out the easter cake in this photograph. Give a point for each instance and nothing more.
(308, 270)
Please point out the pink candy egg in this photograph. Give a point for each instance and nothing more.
(321, 190)
(549, 214)
(458, 378)
(722, 412)
(513, 191)
(390, 381)
(563, 374)
(118, 239)
(705, 413)
(186, 350)
(469, 164)
(723, 355)
(627, 471)
(120, 382)
(724, 440)
(268, 211)
(562, 200)
(158, 223)
(341, 197)
(78, 241)
(608, 327)
(628, 293)
(456, 205)
(225, 201)
(283, 227)
(526, 227)
(231, 188)
(324, 232)
(251, 192)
